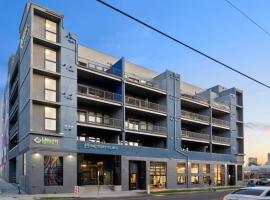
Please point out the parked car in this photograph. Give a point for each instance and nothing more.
(249, 193)
(263, 180)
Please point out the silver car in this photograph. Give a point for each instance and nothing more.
(249, 193)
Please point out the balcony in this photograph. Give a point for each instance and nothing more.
(142, 104)
(14, 87)
(195, 99)
(13, 129)
(101, 122)
(221, 140)
(220, 106)
(190, 116)
(96, 94)
(146, 128)
(194, 136)
(221, 123)
(14, 107)
(91, 65)
(134, 79)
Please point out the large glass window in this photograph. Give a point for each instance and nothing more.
(194, 180)
(53, 170)
(206, 168)
(50, 118)
(158, 171)
(194, 168)
(219, 173)
(181, 173)
(181, 168)
(24, 164)
(51, 30)
(50, 89)
(50, 60)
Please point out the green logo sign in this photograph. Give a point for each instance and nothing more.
(46, 140)
(24, 35)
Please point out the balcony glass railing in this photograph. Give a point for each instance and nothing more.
(98, 93)
(195, 136)
(14, 106)
(101, 121)
(13, 129)
(145, 104)
(144, 127)
(220, 122)
(221, 106)
(195, 116)
(142, 81)
(195, 98)
(222, 140)
(83, 62)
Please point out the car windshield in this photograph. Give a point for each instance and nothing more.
(254, 192)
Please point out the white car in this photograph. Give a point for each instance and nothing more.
(249, 193)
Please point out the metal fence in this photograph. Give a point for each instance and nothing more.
(101, 121)
(220, 122)
(145, 104)
(195, 116)
(219, 139)
(144, 127)
(195, 135)
(101, 94)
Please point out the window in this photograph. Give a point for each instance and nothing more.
(50, 89)
(91, 117)
(239, 173)
(181, 180)
(50, 118)
(53, 170)
(219, 175)
(253, 192)
(158, 171)
(82, 116)
(50, 60)
(24, 164)
(194, 168)
(206, 179)
(181, 168)
(194, 179)
(51, 30)
(267, 194)
(206, 168)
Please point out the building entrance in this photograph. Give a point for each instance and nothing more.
(231, 174)
(99, 169)
(137, 175)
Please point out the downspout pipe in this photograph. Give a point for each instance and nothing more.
(175, 134)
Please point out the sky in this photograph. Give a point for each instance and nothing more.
(211, 26)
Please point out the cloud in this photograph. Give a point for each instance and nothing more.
(258, 126)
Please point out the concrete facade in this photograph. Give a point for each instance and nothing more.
(111, 109)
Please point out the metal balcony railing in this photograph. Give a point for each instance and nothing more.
(195, 116)
(142, 81)
(13, 129)
(98, 93)
(195, 136)
(101, 121)
(220, 122)
(144, 127)
(195, 98)
(83, 62)
(222, 140)
(145, 104)
(222, 106)
(14, 86)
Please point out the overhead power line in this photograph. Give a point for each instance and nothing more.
(249, 18)
(182, 43)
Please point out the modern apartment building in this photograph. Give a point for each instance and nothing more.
(77, 116)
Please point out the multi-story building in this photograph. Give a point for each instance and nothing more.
(252, 161)
(81, 117)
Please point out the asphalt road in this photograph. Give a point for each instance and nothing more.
(179, 196)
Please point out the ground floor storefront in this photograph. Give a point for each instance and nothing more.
(58, 172)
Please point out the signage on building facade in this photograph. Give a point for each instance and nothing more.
(24, 35)
(46, 140)
(89, 145)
